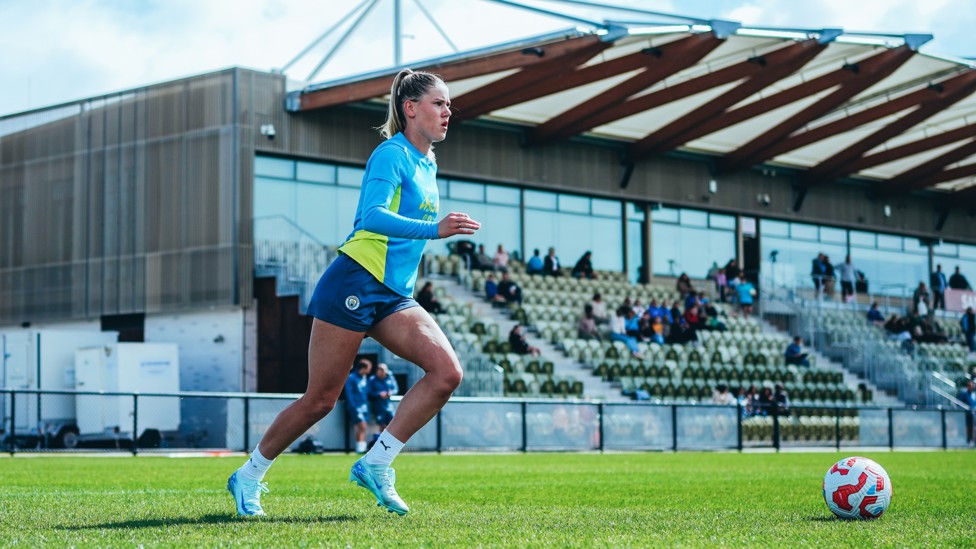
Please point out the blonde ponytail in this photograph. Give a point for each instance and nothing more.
(407, 86)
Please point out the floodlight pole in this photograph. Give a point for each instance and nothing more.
(397, 35)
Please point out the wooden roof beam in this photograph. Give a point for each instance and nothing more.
(862, 75)
(921, 176)
(510, 89)
(913, 148)
(779, 65)
(944, 95)
(575, 120)
(506, 93)
(450, 70)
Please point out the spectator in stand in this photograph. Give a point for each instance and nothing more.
(781, 401)
(584, 267)
(491, 288)
(745, 292)
(920, 301)
(721, 282)
(818, 271)
(732, 270)
(874, 315)
(674, 313)
(481, 261)
(830, 278)
(380, 387)
(356, 402)
(550, 266)
(509, 290)
(967, 396)
(968, 324)
(500, 261)
(684, 285)
(599, 308)
(958, 281)
(753, 407)
(534, 265)
(518, 343)
(743, 400)
(426, 299)
(712, 272)
(586, 327)
(632, 324)
(848, 278)
(657, 330)
(764, 405)
(795, 355)
(939, 285)
(722, 396)
(618, 330)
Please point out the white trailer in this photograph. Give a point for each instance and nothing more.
(127, 367)
(42, 359)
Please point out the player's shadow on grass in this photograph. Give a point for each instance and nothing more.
(209, 519)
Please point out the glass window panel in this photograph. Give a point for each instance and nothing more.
(463, 190)
(748, 226)
(915, 246)
(689, 250)
(540, 200)
(804, 231)
(829, 234)
(967, 251)
(351, 177)
(718, 221)
(574, 204)
(694, 218)
(274, 197)
(274, 167)
(773, 228)
(497, 194)
(608, 208)
(664, 215)
(891, 272)
(540, 231)
(946, 250)
(607, 244)
(794, 259)
(442, 187)
(635, 211)
(889, 242)
(317, 173)
(315, 211)
(861, 238)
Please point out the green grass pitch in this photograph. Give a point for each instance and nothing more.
(584, 500)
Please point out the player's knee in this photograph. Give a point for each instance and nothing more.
(450, 377)
(318, 407)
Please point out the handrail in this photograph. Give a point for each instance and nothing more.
(288, 221)
(951, 399)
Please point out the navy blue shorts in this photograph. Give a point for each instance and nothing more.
(350, 297)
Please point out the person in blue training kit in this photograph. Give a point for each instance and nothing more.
(356, 402)
(367, 291)
(379, 389)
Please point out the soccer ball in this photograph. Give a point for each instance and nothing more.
(857, 488)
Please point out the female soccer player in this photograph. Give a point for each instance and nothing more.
(367, 291)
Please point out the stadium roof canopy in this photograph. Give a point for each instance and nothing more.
(827, 103)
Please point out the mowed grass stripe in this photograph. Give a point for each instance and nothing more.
(640, 499)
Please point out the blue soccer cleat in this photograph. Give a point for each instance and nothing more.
(379, 481)
(247, 495)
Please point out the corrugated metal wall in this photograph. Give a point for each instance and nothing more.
(122, 204)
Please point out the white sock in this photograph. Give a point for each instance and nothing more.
(384, 451)
(256, 466)
(360, 446)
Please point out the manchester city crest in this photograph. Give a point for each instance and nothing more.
(352, 303)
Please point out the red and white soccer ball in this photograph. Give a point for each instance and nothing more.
(857, 488)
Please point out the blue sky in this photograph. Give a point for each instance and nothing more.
(61, 50)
